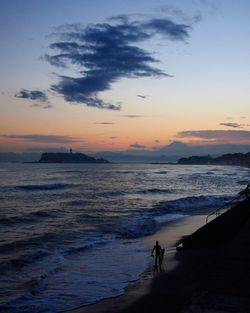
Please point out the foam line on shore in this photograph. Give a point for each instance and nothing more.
(167, 236)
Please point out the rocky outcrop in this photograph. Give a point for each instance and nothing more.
(226, 159)
(69, 158)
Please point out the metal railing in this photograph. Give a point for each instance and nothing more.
(224, 208)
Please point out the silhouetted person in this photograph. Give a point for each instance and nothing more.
(156, 252)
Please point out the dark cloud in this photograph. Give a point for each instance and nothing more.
(132, 116)
(141, 96)
(233, 125)
(35, 95)
(168, 28)
(32, 95)
(137, 146)
(105, 123)
(106, 53)
(217, 135)
(43, 138)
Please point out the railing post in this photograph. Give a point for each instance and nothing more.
(217, 211)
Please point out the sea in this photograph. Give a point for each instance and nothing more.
(72, 234)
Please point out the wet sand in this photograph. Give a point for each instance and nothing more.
(167, 236)
(211, 276)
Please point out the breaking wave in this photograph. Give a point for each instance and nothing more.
(154, 191)
(46, 186)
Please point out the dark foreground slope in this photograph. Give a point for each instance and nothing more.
(213, 275)
(220, 230)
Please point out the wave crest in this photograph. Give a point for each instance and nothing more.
(45, 186)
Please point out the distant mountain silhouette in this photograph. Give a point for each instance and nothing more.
(225, 159)
(172, 152)
(169, 153)
(50, 157)
(215, 150)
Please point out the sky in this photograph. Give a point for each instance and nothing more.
(115, 75)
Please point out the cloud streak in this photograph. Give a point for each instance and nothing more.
(104, 123)
(217, 135)
(137, 146)
(233, 125)
(42, 138)
(43, 106)
(132, 116)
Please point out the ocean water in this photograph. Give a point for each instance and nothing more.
(71, 234)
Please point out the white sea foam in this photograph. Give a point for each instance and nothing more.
(162, 219)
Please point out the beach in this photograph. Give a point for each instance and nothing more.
(212, 278)
(168, 236)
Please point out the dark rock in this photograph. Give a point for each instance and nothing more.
(69, 158)
(226, 159)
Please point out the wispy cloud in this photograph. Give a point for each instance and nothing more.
(137, 146)
(47, 149)
(233, 125)
(132, 116)
(42, 138)
(105, 123)
(43, 106)
(177, 12)
(217, 135)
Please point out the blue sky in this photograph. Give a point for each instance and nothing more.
(207, 88)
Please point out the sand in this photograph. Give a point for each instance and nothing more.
(168, 236)
(211, 276)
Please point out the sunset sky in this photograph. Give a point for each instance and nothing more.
(115, 75)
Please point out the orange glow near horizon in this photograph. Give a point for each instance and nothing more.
(179, 88)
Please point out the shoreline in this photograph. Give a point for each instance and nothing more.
(168, 236)
(210, 273)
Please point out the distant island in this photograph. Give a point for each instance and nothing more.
(225, 159)
(70, 157)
